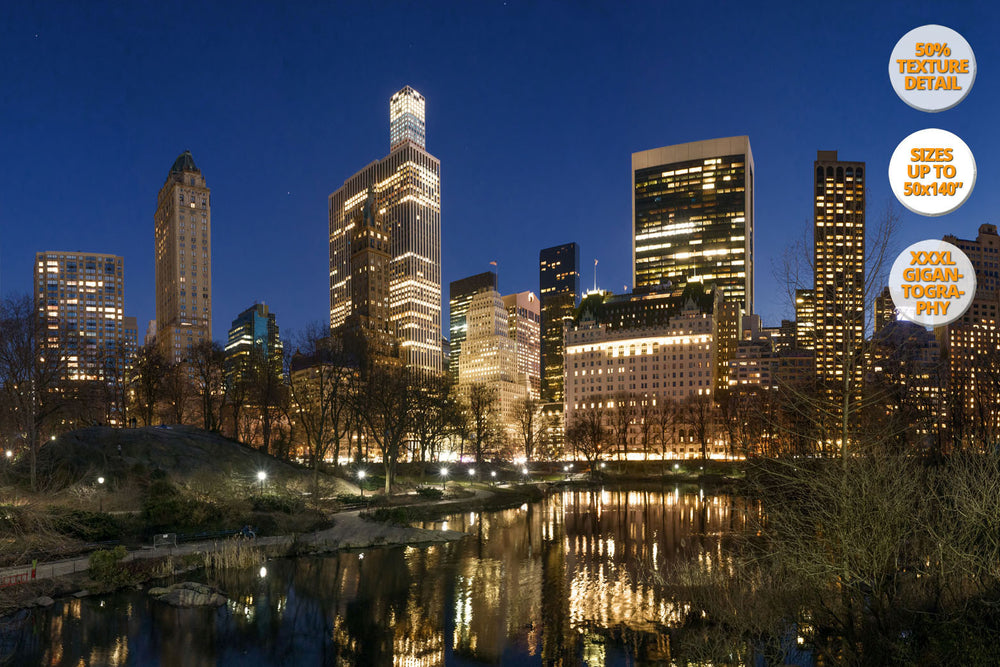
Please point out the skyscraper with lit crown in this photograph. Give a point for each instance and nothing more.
(406, 185)
(183, 251)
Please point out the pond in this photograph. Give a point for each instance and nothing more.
(578, 578)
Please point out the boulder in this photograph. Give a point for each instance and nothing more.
(43, 601)
(188, 594)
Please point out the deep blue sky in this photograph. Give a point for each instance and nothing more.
(533, 108)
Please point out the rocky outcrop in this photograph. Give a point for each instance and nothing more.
(188, 594)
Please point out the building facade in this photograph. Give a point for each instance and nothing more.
(559, 292)
(407, 186)
(839, 266)
(971, 348)
(460, 293)
(489, 357)
(805, 319)
(255, 329)
(81, 298)
(693, 217)
(524, 327)
(183, 252)
(670, 363)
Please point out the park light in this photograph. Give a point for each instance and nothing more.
(100, 496)
(604, 465)
(361, 482)
(263, 572)
(261, 476)
(444, 477)
(524, 471)
(565, 468)
(472, 472)
(677, 466)
(9, 453)
(100, 480)
(53, 438)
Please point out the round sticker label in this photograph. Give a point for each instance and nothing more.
(932, 68)
(932, 283)
(932, 172)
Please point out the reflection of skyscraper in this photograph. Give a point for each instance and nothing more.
(406, 184)
(693, 216)
(460, 293)
(559, 289)
(183, 260)
(839, 265)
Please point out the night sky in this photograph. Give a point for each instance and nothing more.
(533, 108)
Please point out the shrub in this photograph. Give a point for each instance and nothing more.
(276, 503)
(397, 515)
(87, 526)
(107, 569)
(430, 493)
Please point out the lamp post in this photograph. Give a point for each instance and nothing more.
(100, 492)
(493, 475)
(361, 484)
(444, 478)
(262, 477)
(472, 474)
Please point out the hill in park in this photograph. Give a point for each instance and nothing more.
(187, 456)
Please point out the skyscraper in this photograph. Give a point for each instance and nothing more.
(183, 260)
(460, 293)
(971, 347)
(839, 265)
(693, 216)
(256, 328)
(524, 321)
(559, 289)
(81, 297)
(407, 187)
(805, 319)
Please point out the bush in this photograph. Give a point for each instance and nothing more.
(276, 503)
(165, 509)
(397, 515)
(430, 493)
(87, 526)
(107, 569)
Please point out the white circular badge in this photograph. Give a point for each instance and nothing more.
(932, 68)
(932, 172)
(932, 283)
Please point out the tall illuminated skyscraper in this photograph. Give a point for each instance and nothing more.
(525, 321)
(559, 289)
(839, 265)
(693, 216)
(460, 293)
(80, 298)
(407, 188)
(183, 259)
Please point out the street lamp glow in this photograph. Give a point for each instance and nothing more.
(53, 438)
(493, 473)
(9, 453)
(524, 471)
(100, 480)
(444, 472)
(361, 474)
(565, 468)
(472, 472)
(261, 476)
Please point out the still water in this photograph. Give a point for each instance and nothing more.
(579, 578)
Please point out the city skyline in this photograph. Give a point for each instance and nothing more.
(506, 142)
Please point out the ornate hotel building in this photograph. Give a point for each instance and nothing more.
(460, 293)
(407, 186)
(183, 236)
(693, 217)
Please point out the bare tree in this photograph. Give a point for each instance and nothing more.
(177, 391)
(268, 391)
(482, 404)
(319, 379)
(529, 423)
(389, 394)
(435, 412)
(30, 368)
(588, 434)
(698, 413)
(621, 417)
(148, 373)
(206, 361)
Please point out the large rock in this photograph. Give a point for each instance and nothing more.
(188, 594)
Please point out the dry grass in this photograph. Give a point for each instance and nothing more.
(235, 553)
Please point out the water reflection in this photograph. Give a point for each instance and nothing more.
(575, 579)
